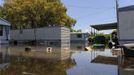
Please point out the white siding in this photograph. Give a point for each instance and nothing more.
(65, 37)
(126, 26)
(47, 33)
(26, 35)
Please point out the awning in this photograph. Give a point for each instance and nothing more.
(105, 26)
(4, 22)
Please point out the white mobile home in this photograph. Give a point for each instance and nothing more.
(57, 36)
(4, 31)
(79, 37)
(126, 25)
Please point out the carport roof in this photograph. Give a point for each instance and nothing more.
(105, 26)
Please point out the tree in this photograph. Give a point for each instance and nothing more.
(36, 13)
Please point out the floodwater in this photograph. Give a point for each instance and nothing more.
(16, 61)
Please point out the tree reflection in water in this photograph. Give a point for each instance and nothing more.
(17, 62)
(32, 66)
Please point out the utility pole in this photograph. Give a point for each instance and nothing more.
(117, 15)
(118, 34)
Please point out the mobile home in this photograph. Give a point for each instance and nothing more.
(49, 36)
(4, 31)
(79, 37)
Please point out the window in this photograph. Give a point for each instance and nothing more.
(21, 31)
(79, 36)
(1, 30)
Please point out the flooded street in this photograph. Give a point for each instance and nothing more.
(16, 61)
(66, 37)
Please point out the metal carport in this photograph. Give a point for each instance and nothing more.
(105, 26)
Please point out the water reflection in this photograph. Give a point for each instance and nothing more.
(16, 61)
(86, 67)
(78, 46)
(126, 66)
(25, 65)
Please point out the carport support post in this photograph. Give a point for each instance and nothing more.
(117, 14)
(94, 32)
